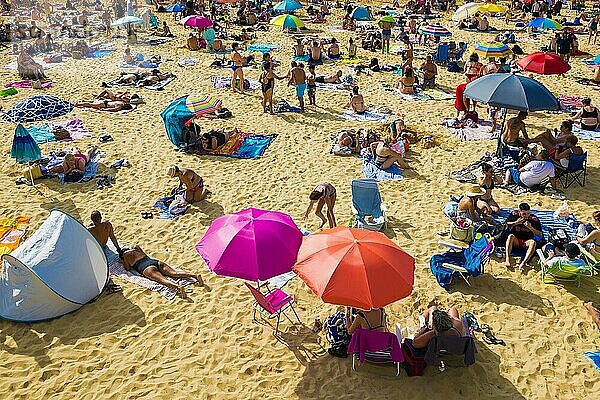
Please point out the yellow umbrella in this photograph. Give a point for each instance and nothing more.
(492, 8)
(287, 21)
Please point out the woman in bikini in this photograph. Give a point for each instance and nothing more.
(357, 102)
(267, 82)
(486, 203)
(194, 184)
(407, 81)
(473, 68)
(588, 117)
(237, 68)
(384, 156)
(438, 323)
(373, 320)
(155, 270)
(323, 194)
(74, 162)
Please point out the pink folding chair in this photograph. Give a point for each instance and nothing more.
(376, 347)
(272, 305)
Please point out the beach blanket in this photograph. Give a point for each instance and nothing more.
(224, 82)
(371, 171)
(416, 96)
(591, 63)
(245, 145)
(351, 60)
(367, 116)
(334, 87)
(587, 82)
(481, 130)
(569, 103)
(162, 211)
(262, 47)
(116, 268)
(546, 218)
(27, 85)
(439, 94)
(138, 64)
(12, 231)
(594, 357)
(100, 53)
(585, 134)
(44, 133)
(91, 169)
(8, 92)
(187, 62)
(304, 58)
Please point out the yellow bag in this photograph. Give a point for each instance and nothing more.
(32, 172)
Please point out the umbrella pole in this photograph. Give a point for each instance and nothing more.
(499, 150)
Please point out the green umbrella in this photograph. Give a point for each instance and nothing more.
(387, 18)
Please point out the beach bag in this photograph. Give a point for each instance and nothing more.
(60, 133)
(454, 67)
(465, 234)
(414, 359)
(558, 237)
(500, 234)
(73, 177)
(32, 172)
(337, 334)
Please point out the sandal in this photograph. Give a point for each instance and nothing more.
(146, 215)
(489, 337)
(113, 288)
(105, 138)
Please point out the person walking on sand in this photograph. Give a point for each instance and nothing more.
(323, 194)
(237, 67)
(298, 78)
(194, 184)
(102, 231)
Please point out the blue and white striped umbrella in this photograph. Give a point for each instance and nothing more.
(24, 148)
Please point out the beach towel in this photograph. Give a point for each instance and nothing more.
(12, 231)
(187, 62)
(8, 92)
(481, 130)
(159, 86)
(91, 169)
(224, 82)
(336, 29)
(304, 58)
(546, 218)
(162, 210)
(262, 47)
(44, 133)
(116, 268)
(27, 85)
(245, 145)
(416, 96)
(585, 134)
(371, 171)
(439, 94)
(282, 106)
(351, 60)
(334, 87)
(590, 63)
(594, 357)
(569, 103)
(586, 82)
(138, 64)
(100, 53)
(367, 116)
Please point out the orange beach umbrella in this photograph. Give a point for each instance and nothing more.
(355, 267)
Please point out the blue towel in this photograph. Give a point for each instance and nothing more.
(370, 170)
(594, 357)
(304, 58)
(444, 275)
(263, 48)
(100, 53)
(254, 146)
(588, 135)
(41, 133)
(91, 169)
(546, 218)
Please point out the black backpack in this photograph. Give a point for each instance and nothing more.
(559, 238)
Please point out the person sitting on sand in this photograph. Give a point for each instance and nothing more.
(406, 83)
(525, 232)
(28, 68)
(333, 78)
(487, 182)
(158, 271)
(352, 48)
(333, 51)
(589, 306)
(194, 184)
(349, 140)
(323, 194)
(315, 52)
(192, 43)
(429, 73)
(165, 31)
(127, 57)
(483, 25)
(591, 238)
(74, 163)
(438, 323)
(384, 156)
(373, 320)
(357, 102)
(551, 141)
(298, 48)
(513, 128)
(588, 117)
(468, 205)
(534, 172)
(102, 231)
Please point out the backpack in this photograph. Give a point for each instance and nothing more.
(414, 359)
(558, 237)
(337, 334)
(500, 234)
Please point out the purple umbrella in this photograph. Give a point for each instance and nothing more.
(251, 244)
(196, 21)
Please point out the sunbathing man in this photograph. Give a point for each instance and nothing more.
(106, 105)
(429, 72)
(164, 32)
(298, 48)
(154, 78)
(102, 231)
(155, 270)
(333, 51)
(127, 57)
(194, 184)
(315, 52)
(333, 78)
(323, 194)
(512, 129)
(191, 43)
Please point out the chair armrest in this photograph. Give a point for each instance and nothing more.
(454, 267)
(399, 333)
(284, 300)
(454, 245)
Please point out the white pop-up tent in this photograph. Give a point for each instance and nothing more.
(57, 270)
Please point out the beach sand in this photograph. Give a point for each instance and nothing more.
(136, 344)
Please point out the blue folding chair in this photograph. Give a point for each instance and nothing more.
(368, 210)
(576, 171)
(442, 53)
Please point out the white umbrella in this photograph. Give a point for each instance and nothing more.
(128, 20)
(465, 11)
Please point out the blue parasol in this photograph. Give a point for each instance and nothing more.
(24, 148)
(287, 5)
(361, 14)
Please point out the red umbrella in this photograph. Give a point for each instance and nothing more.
(543, 63)
(355, 267)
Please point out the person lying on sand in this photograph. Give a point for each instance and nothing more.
(438, 323)
(323, 194)
(194, 184)
(106, 105)
(154, 78)
(350, 140)
(102, 231)
(333, 78)
(155, 270)
(74, 162)
(384, 156)
(213, 139)
(589, 306)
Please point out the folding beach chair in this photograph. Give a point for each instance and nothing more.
(461, 260)
(449, 347)
(376, 347)
(272, 304)
(458, 53)
(591, 260)
(561, 272)
(368, 210)
(441, 54)
(576, 171)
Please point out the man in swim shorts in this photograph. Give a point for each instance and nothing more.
(298, 78)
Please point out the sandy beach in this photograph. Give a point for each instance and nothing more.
(136, 344)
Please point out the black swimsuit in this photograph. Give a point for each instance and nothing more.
(381, 324)
(269, 85)
(219, 136)
(143, 263)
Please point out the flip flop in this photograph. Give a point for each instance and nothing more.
(472, 321)
(489, 337)
(113, 288)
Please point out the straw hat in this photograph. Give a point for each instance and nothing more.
(475, 191)
(171, 171)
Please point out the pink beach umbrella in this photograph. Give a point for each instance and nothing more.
(196, 21)
(251, 244)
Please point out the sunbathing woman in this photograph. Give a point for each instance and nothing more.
(323, 194)
(155, 270)
(588, 117)
(74, 162)
(487, 182)
(357, 101)
(350, 140)
(334, 78)
(106, 105)
(384, 157)
(551, 141)
(194, 184)
(438, 323)
(406, 84)
(154, 78)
